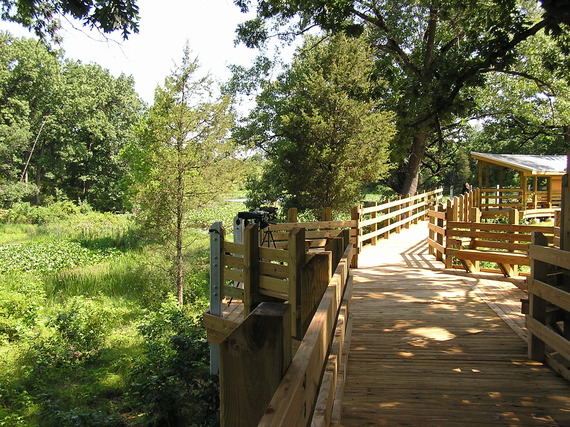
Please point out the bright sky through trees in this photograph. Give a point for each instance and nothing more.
(165, 26)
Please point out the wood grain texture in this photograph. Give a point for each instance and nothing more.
(435, 347)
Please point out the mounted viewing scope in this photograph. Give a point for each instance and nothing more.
(263, 216)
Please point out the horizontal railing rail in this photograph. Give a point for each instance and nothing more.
(548, 315)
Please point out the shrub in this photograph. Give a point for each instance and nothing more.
(171, 384)
(21, 298)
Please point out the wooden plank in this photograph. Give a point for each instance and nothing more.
(254, 358)
(235, 275)
(550, 255)
(505, 228)
(279, 271)
(428, 349)
(499, 257)
(549, 337)
(218, 328)
(437, 229)
(436, 214)
(318, 225)
(293, 402)
(270, 254)
(556, 296)
(273, 287)
(233, 248)
(436, 246)
(233, 261)
(232, 292)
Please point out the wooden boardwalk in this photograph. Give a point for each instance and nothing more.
(436, 347)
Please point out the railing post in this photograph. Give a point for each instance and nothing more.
(254, 359)
(327, 214)
(440, 237)
(537, 305)
(449, 216)
(251, 268)
(398, 217)
(217, 236)
(296, 248)
(431, 233)
(355, 216)
(374, 226)
(292, 215)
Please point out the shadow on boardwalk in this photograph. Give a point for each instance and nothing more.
(436, 347)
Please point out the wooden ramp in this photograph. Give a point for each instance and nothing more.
(435, 347)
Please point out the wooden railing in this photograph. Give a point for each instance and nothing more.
(280, 352)
(380, 220)
(291, 303)
(507, 198)
(548, 315)
(456, 233)
(505, 245)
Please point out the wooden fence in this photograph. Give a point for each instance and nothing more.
(456, 233)
(290, 301)
(280, 344)
(548, 315)
(377, 221)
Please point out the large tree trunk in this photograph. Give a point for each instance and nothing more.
(413, 167)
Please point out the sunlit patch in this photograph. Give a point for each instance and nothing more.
(494, 395)
(433, 333)
(389, 404)
(457, 370)
(418, 342)
(465, 401)
(474, 331)
(561, 399)
(476, 371)
(405, 354)
(511, 416)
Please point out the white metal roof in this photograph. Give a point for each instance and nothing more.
(530, 163)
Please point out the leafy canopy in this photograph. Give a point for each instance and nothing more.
(323, 135)
(43, 17)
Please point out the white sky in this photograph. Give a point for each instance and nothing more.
(165, 26)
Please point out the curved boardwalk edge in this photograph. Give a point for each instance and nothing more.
(436, 347)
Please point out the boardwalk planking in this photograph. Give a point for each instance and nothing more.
(434, 347)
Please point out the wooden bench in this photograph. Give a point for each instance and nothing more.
(503, 244)
(506, 261)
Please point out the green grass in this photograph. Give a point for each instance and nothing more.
(73, 296)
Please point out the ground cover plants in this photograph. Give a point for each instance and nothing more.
(90, 331)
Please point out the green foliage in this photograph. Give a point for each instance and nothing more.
(172, 383)
(11, 193)
(319, 124)
(63, 125)
(432, 56)
(44, 18)
(21, 298)
(51, 256)
(182, 159)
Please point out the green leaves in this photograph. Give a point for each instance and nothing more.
(51, 256)
(321, 124)
(44, 17)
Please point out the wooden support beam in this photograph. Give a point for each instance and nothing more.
(251, 296)
(537, 305)
(254, 359)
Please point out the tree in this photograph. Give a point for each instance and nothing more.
(430, 52)
(63, 125)
(30, 84)
(43, 17)
(181, 159)
(319, 127)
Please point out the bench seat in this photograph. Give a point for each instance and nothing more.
(506, 261)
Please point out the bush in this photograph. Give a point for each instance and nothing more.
(21, 298)
(16, 192)
(172, 384)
